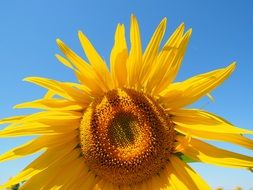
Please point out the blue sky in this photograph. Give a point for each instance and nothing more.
(222, 33)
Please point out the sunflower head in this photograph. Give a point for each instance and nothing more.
(126, 127)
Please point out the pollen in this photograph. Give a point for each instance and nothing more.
(126, 137)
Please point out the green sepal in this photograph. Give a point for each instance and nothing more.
(185, 158)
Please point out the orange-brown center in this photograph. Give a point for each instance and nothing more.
(126, 137)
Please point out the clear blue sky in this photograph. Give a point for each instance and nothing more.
(222, 33)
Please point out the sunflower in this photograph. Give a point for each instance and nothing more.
(126, 128)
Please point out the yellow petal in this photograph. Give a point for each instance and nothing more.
(118, 58)
(12, 119)
(160, 181)
(49, 94)
(231, 138)
(193, 180)
(172, 69)
(95, 86)
(203, 152)
(134, 61)
(53, 118)
(43, 178)
(58, 179)
(202, 124)
(52, 104)
(151, 52)
(50, 122)
(168, 61)
(75, 60)
(181, 94)
(36, 145)
(62, 89)
(203, 121)
(64, 61)
(96, 61)
(30, 129)
(86, 181)
(175, 181)
(85, 73)
(85, 178)
(80, 87)
(49, 157)
(66, 179)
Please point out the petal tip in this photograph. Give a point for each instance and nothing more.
(133, 19)
(232, 66)
(164, 20)
(234, 63)
(16, 106)
(58, 41)
(80, 33)
(57, 55)
(189, 31)
(26, 79)
(182, 25)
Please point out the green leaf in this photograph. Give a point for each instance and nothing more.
(185, 158)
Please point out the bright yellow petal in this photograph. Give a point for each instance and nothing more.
(231, 138)
(49, 94)
(65, 62)
(30, 129)
(86, 181)
(80, 87)
(75, 170)
(96, 61)
(51, 156)
(201, 151)
(168, 61)
(12, 119)
(85, 73)
(202, 124)
(60, 179)
(75, 60)
(62, 89)
(181, 94)
(173, 64)
(189, 175)
(118, 58)
(52, 104)
(48, 122)
(51, 117)
(134, 61)
(43, 179)
(175, 181)
(151, 52)
(164, 60)
(36, 145)
(198, 120)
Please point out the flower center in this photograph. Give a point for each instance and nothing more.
(123, 130)
(126, 137)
